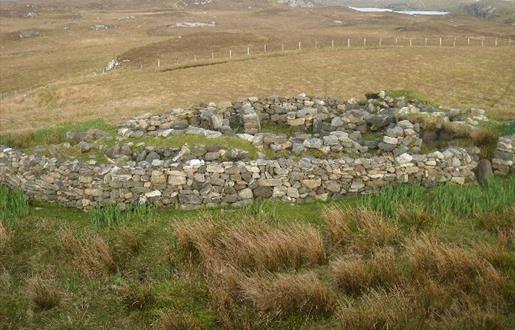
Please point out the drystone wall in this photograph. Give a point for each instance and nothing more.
(503, 162)
(197, 183)
(314, 149)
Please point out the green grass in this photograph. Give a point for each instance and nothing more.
(372, 136)
(504, 128)
(230, 142)
(277, 129)
(13, 204)
(111, 215)
(54, 135)
(155, 280)
(412, 95)
(446, 201)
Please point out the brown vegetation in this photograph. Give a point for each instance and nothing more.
(91, 255)
(253, 245)
(278, 296)
(359, 229)
(43, 293)
(174, 320)
(455, 265)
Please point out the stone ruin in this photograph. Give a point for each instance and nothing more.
(297, 149)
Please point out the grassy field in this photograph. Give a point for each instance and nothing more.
(55, 78)
(406, 258)
(451, 77)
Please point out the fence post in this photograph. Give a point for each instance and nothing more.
(380, 42)
(230, 53)
(454, 42)
(282, 47)
(332, 43)
(495, 42)
(410, 42)
(483, 42)
(440, 41)
(364, 42)
(158, 63)
(264, 48)
(212, 55)
(195, 58)
(348, 42)
(396, 41)
(425, 41)
(300, 45)
(248, 51)
(468, 41)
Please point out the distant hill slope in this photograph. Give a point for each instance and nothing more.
(501, 10)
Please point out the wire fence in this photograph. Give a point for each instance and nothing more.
(276, 48)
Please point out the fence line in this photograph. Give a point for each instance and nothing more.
(302, 45)
(341, 43)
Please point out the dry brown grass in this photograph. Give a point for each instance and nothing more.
(354, 275)
(91, 255)
(129, 242)
(376, 310)
(350, 274)
(337, 225)
(175, 320)
(450, 264)
(459, 79)
(359, 229)
(252, 245)
(226, 302)
(137, 296)
(424, 304)
(61, 88)
(499, 221)
(277, 296)
(416, 218)
(4, 235)
(43, 293)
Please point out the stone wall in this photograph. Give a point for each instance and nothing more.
(504, 157)
(196, 183)
(318, 149)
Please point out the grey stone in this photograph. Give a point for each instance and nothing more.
(484, 172)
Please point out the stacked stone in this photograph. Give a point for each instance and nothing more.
(195, 183)
(402, 138)
(503, 162)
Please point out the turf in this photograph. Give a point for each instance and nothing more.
(130, 270)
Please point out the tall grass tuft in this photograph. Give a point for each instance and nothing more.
(360, 229)
(14, 204)
(111, 215)
(453, 265)
(282, 295)
(43, 293)
(172, 319)
(91, 255)
(252, 245)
